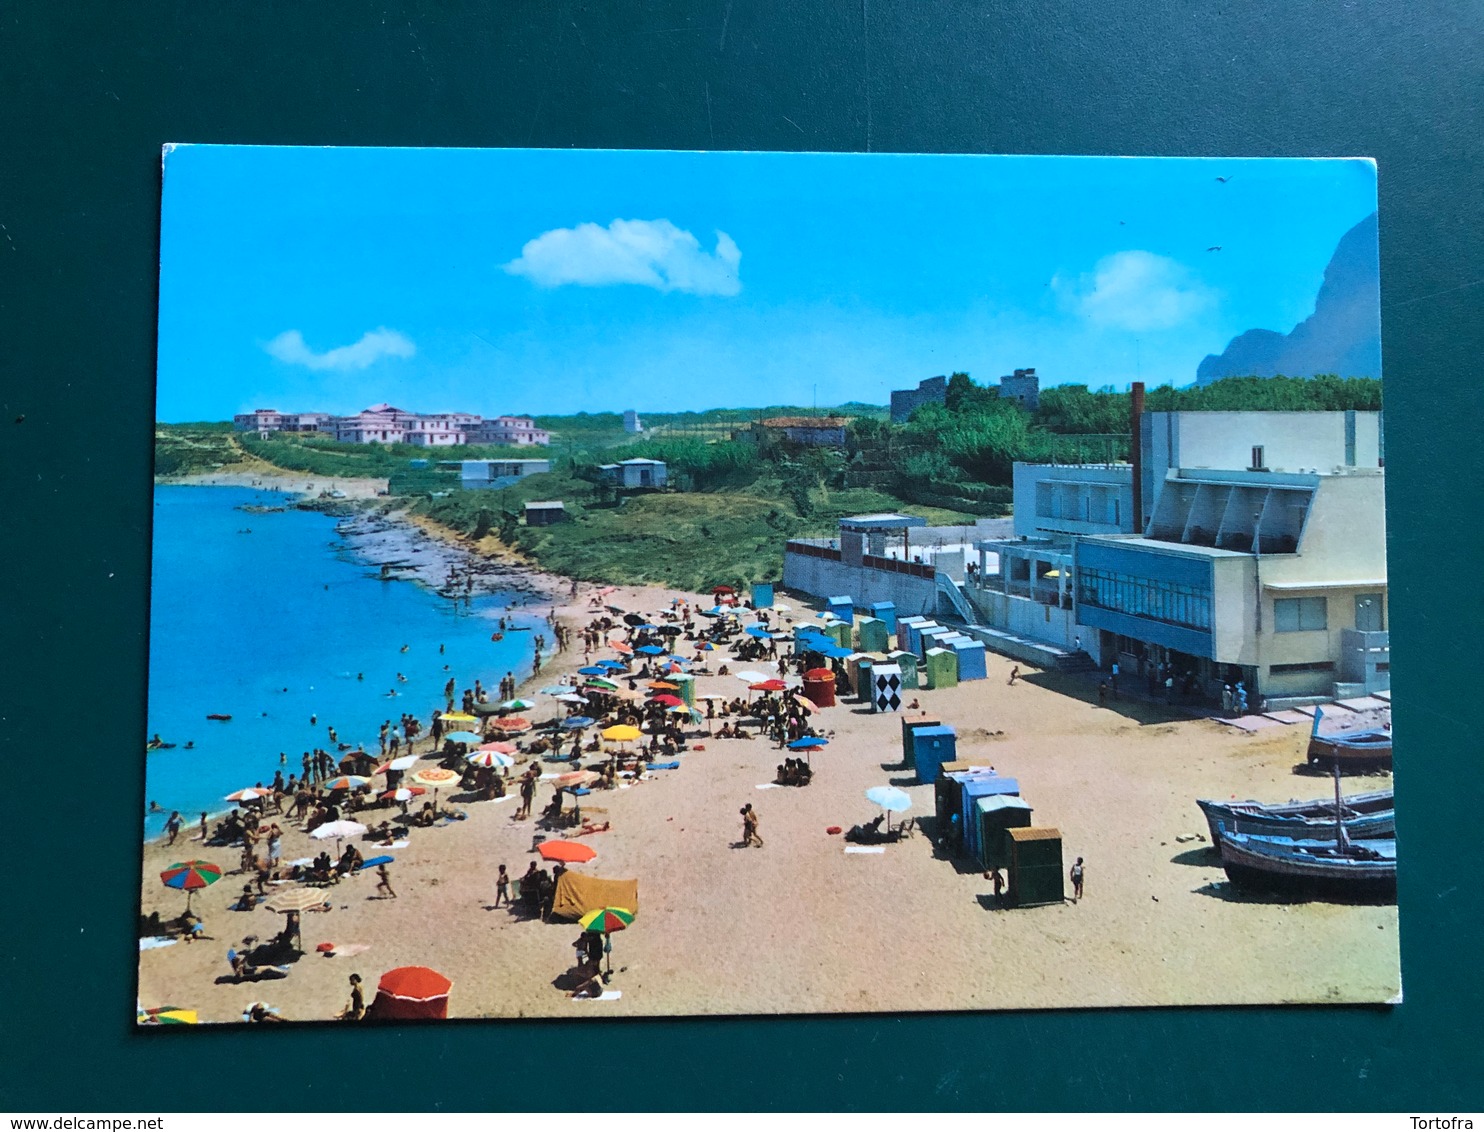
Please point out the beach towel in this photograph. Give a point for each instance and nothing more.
(345, 950)
(865, 849)
(770, 786)
(665, 766)
(606, 996)
(149, 943)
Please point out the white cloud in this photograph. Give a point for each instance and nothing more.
(1137, 290)
(651, 253)
(374, 345)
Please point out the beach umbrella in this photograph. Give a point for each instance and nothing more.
(401, 762)
(633, 619)
(592, 670)
(760, 631)
(464, 737)
(483, 710)
(168, 1016)
(572, 698)
(411, 992)
(576, 778)
(751, 677)
(499, 748)
(663, 686)
(621, 733)
(890, 799)
(346, 782)
(558, 689)
(435, 776)
(297, 900)
(808, 743)
(190, 876)
(403, 793)
(512, 723)
(578, 722)
(650, 650)
(488, 759)
(772, 684)
(516, 705)
(251, 794)
(568, 852)
(607, 685)
(779, 607)
(458, 718)
(612, 665)
(621, 647)
(667, 699)
(339, 830)
(705, 646)
(606, 921)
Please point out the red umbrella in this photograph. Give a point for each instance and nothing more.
(774, 685)
(568, 852)
(411, 992)
(499, 748)
(667, 699)
(513, 723)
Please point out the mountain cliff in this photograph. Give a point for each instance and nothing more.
(1342, 336)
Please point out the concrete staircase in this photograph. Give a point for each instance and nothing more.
(953, 598)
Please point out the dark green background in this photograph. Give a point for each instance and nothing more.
(89, 91)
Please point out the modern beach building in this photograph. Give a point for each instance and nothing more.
(386, 424)
(485, 474)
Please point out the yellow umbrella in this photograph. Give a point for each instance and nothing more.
(621, 733)
(436, 776)
(459, 717)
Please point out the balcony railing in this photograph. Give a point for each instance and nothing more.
(896, 566)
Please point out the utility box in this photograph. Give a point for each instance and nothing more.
(762, 595)
(996, 814)
(871, 634)
(942, 668)
(907, 662)
(886, 687)
(841, 607)
(931, 748)
(1034, 867)
(886, 613)
(910, 727)
(971, 662)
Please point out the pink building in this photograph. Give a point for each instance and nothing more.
(386, 424)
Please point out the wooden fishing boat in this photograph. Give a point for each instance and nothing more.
(1328, 869)
(1364, 816)
(1350, 750)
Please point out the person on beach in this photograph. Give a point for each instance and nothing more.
(204, 835)
(502, 887)
(384, 881)
(1076, 875)
(749, 827)
(999, 888)
(355, 1010)
(172, 826)
(1014, 674)
(1102, 693)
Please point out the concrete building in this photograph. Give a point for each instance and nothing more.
(267, 421)
(514, 432)
(802, 432)
(486, 474)
(1022, 386)
(635, 473)
(931, 391)
(631, 421)
(1259, 556)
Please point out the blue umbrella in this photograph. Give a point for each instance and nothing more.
(610, 665)
(890, 798)
(758, 631)
(384, 859)
(463, 737)
(593, 670)
(808, 742)
(650, 650)
(646, 626)
(835, 652)
(576, 721)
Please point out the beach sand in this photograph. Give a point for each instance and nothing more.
(800, 926)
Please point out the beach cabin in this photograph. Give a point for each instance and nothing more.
(971, 659)
(842, 608)
(905, 626)
(762, 595)
(995, 815)
(545, 512)
(947, 792)
(971, 789)
(910, 726)
(931, 748)
(858, 669)
(941, 668)
(819, 687)
(907, 662)
(886, 687)
(885, 612)
(1035, 867)
(687, 687)
(871, 634)
(839, 632)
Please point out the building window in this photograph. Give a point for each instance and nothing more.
(1189, 606)
(1300, 614)
(1313, 666)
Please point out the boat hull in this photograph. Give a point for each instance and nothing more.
(1368, 750)
(1372, 816)
(1280, 865)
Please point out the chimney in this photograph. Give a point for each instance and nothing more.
(1136, 450)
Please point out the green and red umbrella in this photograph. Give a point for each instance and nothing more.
(191, 875)
(606, 920)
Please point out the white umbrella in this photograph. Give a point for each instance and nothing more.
(339, 830)
(781, 608)
(490, 758)
(402, 762)
(751, 677)
(890, 799)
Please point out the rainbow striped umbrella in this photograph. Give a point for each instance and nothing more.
(606, 920)
(346, 782)
(191, 875)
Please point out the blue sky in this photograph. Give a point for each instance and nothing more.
(501, 281)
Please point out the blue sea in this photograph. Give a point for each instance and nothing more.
(272, 628)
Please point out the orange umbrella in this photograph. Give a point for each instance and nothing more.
(411, 992)
(513, 724)
(621, 648)
(664, 686)
(568, 852)
(499, 748)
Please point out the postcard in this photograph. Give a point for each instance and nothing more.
(602, 584)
